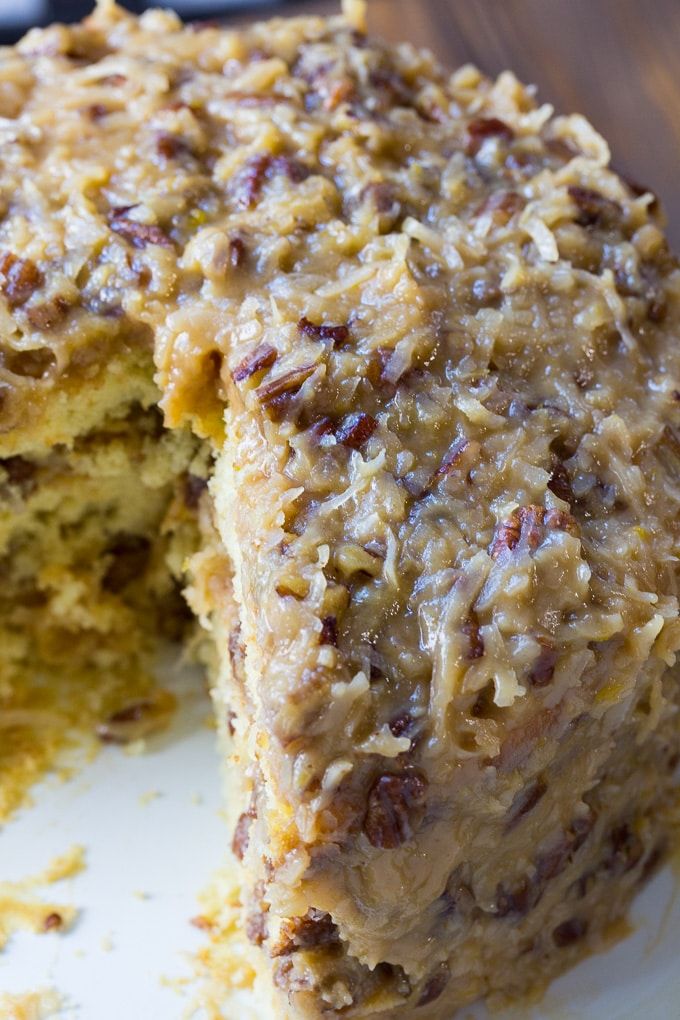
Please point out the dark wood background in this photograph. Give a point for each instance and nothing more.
(616, 61)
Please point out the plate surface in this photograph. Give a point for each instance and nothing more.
(153, 834)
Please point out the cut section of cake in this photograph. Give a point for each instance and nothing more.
(424, 342)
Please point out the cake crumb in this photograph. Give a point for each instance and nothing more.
(38, 1005)
(22, 910)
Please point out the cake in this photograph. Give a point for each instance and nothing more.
(379, 364)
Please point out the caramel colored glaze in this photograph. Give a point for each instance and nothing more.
(430, 338)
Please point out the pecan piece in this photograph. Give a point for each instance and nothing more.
(560, 484)
(486, 127)
(402, 724)
(138, 720)
(435, 985)
(593, 208)
(21, 279)
(355, 429)
(560, 520)
(256, 927)
(237, 252)
(528, 525)
(626, 850)
(171, 147)
(241, 837)
(517, 899)
(32, 364)
(506, 537)
(262, 357)
(524, 802)
(285, 385)
(502, 205)
(569, 932)
(48, 315)
(53, 922)
(544, 667)
(470, 629)
(139, 234)
(338, 334)
(314, 930)
(394, 804)
(450, 460)
(263, 167)
(329, 631)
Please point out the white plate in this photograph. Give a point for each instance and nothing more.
(153, 835)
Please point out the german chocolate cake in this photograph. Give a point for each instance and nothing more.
(380, 365)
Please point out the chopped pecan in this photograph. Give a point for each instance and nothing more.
(657, 308)
(237, 653)
(470, 629)
(31, 364)
(256, 927)
(262, 357)
(285, 385)
(237, 252)
(139, 234)
(319, 428)
(112, 79)
(138, 720)
(544, 667)
(376, 365)
(569, 932)
(383, 195)
(527, 524)
(329, 631)
(402, 724)
(560, 520)
(507, 536)
(435, 985)
(21, 278)
(53, 922)
(392, 85)
(560, 483)
(450, 460)
(49, 314)
(337, 334)
(313, 931)
(593, 208)
(486, 127)
(625, 852)
(394, 805)
(552, 861)
(241, 837)
(502, 205)
(97, 111)
(355, 429)
(263, 167)
(524, 802)
(517, 899)
(171, 147)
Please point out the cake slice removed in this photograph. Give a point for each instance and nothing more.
(428, 340)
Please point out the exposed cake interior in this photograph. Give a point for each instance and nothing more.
(421, 344)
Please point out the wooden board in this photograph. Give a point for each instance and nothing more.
(616, 61)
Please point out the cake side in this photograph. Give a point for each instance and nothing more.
(448, 492)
